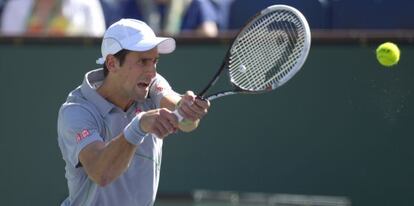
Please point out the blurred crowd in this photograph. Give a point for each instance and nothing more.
(91, 17)
(204, 18)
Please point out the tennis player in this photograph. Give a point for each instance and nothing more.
(111, 128)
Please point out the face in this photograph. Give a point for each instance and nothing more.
(136, 73)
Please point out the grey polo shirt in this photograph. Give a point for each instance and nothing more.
(87, 117)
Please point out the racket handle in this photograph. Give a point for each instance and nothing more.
(178, 115)
(201, 98)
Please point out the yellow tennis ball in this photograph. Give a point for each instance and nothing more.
(388, 54)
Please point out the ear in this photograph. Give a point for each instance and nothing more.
(111, 63)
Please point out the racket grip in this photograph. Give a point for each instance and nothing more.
(201, 98)
(178, 115)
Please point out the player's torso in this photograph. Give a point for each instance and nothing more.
(140, 180)
(139, 183)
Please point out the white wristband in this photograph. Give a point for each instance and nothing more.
(133, 133)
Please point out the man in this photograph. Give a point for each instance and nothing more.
(110, 129)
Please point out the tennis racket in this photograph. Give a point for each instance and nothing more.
(267, 52)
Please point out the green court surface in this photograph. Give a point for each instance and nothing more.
(189, 203)
(232, 198)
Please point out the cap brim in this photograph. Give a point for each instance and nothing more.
(165, 45)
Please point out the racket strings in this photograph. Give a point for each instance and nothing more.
(281, 43)
(261, 62)
(252, 43)
(287, 35)
(257, 41)
(293, 39)
(267, 51)
(289, 56)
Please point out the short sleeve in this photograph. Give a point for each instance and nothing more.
(159, 89)
(77, 128)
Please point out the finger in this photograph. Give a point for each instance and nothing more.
(188, 112)
(199, 108)
(192, 111)
(166, 125)
(167, 122)
(188, 97)
(161, 129)
(159, 124)
(170, 117)
(156, 131)
(190, 93)
(204, 104)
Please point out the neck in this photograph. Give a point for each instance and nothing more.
(113, 95)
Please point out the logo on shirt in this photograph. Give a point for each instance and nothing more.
(159, 89)
(82, 135)
(138, 110)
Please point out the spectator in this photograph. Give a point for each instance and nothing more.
(2, 2)
(164, 16)
(150, 11)
(153, 12)
(115, 10)
(53, 18)
(171, 17)
(206, 17)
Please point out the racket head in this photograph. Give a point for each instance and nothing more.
(269, 50)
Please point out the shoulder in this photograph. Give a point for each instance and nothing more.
(160, 81)
(75, 113)
(75, 101)
(159, 77)
(159, 85)
(77, 108)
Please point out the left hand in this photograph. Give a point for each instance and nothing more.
(193, 108)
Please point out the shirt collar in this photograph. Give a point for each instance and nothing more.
(88, 89)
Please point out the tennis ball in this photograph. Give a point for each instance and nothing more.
(187, 125)
(388, 54)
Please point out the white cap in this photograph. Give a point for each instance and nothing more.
(133, 35)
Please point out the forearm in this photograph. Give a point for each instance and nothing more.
(170, 101)
(104, 162)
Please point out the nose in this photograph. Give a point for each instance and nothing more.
(151, 70)
(152, 66)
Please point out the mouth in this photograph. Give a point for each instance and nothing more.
(143, 85)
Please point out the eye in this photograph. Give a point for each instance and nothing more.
(147, 61)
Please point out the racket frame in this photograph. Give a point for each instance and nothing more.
(224, 65)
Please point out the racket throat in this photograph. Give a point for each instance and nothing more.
(221, 94)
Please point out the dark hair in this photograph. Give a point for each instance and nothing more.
(121, 58)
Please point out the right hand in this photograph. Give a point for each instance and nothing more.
(160, 122)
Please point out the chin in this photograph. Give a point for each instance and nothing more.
(141, 96)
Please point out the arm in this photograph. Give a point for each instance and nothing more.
(208, 29)
(104, 162)
(190, 107)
